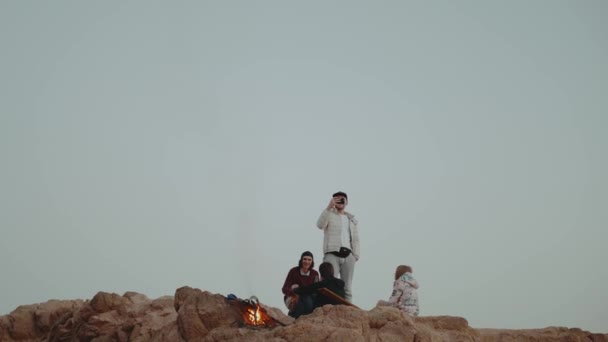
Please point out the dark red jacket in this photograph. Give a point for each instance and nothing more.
(295, 277)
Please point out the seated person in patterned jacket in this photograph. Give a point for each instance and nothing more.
(404, 296)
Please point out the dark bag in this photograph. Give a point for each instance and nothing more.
(343, 253)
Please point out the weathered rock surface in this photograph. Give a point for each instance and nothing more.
(30, 322)
(195, 315)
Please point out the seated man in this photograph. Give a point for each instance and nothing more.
(301, 275)
(329, 282)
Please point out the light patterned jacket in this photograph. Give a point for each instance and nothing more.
(331, 224)
(405, 296)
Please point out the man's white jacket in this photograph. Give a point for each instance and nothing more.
(331, 224)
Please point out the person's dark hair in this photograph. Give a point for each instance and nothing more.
(401, 269)
(307, 253)
(340, 193)
(327, 270)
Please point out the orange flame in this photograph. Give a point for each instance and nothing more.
(255, 316)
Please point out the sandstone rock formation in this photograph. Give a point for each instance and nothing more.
(195, 315)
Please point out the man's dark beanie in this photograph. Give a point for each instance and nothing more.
(307, 253)
(340, 193)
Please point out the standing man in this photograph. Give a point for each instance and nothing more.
(341, 240)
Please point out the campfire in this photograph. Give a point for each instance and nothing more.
(255, 315)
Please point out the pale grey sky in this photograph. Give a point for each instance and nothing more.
(147, 145)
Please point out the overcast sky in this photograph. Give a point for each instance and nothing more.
(145, 146)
